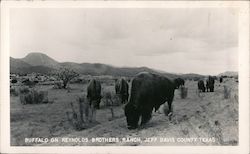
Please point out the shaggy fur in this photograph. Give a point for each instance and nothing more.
(149, 91)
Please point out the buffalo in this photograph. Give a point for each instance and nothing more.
(94, 93)
(94, 97)
(149, 91)
(201, 86)
(179, 82)
(221, 79)
(210, 84)
(121, 89)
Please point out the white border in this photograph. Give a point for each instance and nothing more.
(243, 146)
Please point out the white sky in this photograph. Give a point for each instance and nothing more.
(203, 41)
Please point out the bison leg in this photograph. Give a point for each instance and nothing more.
(146, 116)
(92, 113)
(86, 109)
(170, 106)
(212, 89)
(81, 108)
(124, 98)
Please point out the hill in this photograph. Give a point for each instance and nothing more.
(40, 59)
(228, 73)
(17, 65)
(41, 63)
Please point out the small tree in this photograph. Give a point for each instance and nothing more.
(66, 74)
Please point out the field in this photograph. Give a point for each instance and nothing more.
(204, 116)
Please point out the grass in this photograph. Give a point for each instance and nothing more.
(208, 116)
(50, 118)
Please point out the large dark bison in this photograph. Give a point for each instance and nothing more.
(201, 86)
(149, 91)
(94, 93)
(179, 82)
(210, 84)
(121, 89)
(93, 98)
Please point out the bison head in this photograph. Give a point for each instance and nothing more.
(132, 116)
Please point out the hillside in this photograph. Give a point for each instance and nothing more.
(17, 65)
(40, 59)
(41, 63)
(228, 73)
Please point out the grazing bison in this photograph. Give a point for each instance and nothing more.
(210, 84)
(149, 91)
(179, 82)
(94, 97)
(121, 89)
(94, 93)
(201, 86)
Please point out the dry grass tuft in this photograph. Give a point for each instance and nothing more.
(183, 92)
(227, 92)
(34, 97)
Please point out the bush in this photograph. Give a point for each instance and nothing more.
(183, 92)
(13, 92)
(34, 97)
(66, 75)
(29, 83)
(109, 102)
(79, 120)
(24, 90)
(13, 81)
(58, 85)
(107, 99)
(227, 92)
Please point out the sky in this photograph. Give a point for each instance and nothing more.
(176, 40)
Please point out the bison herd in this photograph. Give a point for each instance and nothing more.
(209, 85)
(147, 93)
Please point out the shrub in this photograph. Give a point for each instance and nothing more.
(13, 92)
(227, 92)
(29, 83)
(34, 97)
(107, 99)
(66, 75)
(109, 102)
(183, 92)
(77, 120)
(58, 85)
(24, 90)
(13, 81)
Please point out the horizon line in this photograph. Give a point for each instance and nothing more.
(154, 69)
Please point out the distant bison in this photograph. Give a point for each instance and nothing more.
(201, 86)
(179, 82)
(221, 79)
(121, 89)
(149, 91)
(210, 84)
(94, 93)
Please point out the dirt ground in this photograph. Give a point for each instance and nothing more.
(199, 119)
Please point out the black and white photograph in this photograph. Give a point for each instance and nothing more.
(124, 76)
